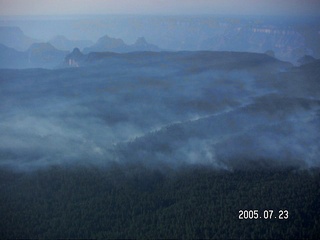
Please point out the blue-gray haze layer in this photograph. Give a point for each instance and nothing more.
(221, 109)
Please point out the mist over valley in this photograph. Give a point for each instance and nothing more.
(222, 109)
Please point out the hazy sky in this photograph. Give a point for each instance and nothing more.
(61, 7)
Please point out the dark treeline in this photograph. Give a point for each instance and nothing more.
(133, 202)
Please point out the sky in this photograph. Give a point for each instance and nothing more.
(241, 7)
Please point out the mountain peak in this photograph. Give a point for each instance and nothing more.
(41, 47)
(142, 45)
(141, 41)
(14, 37)
(107, 44)
(109, 40)
(73, 59)
(105, 37)
(63, 43)
(76, 52)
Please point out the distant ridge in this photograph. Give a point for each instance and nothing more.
(142, 45)
(45, 55)
(306, 60)
(193, 61)
(39, 55)
(109, 44)
(62, 43)
(13, 37)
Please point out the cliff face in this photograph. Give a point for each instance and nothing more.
(287, 43)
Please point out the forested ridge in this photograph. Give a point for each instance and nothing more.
(88, 202)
